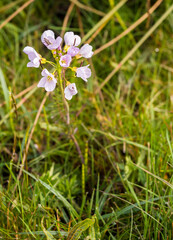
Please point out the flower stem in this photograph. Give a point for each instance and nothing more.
(63, 98)
(51, 63)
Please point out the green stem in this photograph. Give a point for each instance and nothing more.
(51, 63)
(63, 98)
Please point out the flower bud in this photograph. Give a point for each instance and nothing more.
(43, 60)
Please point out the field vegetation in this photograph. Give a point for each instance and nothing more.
(109, 175)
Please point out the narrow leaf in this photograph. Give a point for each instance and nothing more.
(80, 227)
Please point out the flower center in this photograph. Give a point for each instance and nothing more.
(49, 78)
(63, 61)
(66, 48)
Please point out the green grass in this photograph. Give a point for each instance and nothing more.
(125, 188)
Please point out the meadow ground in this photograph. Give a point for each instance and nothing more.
(110, 175)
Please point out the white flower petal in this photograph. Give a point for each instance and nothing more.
(50, 86)
(32, 56)
(47, 34)
(54, 79)
(70, 91)
(36, 61)
(69, 38)
(42, 82)
(68, 95)
(31, 64)
(86, 51)
(77, 40)
(45, 72)
(58, 40)
(28, 50)
(83, 72)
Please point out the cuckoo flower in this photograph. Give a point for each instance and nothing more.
(72, 51)
(83, 72)
(70, 90)
(65, 60)
(33, 56)
(71, 39)
(48, 39)
(48, 81)
(86, 51)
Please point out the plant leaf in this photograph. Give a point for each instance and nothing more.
(80, 227)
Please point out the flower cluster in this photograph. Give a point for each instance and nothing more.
(64, 57)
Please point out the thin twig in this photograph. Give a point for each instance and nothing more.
(15, 13)
(96, 33)
(70, 9)
(166, 68)
(104, 20)
(25, 91)
(134, 49)
(10, 5)
(21, 93)
(87, 8)
(80, 22)
(149, 15)
(128, 30)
